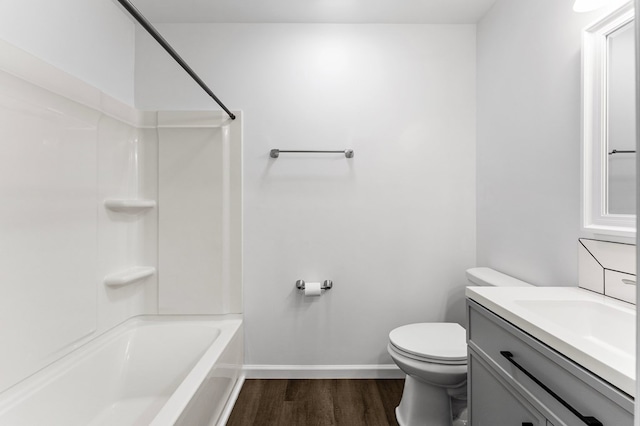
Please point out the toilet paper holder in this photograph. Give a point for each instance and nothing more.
(326, 285)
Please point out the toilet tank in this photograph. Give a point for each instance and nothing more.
(492, 278)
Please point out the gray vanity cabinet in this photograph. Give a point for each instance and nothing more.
(513, 378)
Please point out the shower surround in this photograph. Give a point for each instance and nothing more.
(109, 213)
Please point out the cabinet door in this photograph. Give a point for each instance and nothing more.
(493, 402)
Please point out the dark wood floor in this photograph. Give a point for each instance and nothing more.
(317, 402)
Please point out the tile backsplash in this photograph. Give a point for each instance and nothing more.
(607, 268)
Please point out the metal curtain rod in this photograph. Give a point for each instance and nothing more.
(156, 35)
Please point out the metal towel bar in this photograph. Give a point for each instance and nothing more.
(617, 151)
(275, 153)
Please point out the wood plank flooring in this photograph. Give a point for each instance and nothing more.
(318, 402)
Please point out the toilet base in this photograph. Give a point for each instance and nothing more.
(423, 404)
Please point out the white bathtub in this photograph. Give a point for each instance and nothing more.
(159, 370)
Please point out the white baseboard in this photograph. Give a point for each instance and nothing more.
(231, 402)
(384, 371)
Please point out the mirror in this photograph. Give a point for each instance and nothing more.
(609, 126)
(621, 121)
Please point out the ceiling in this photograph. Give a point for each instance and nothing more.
(315, 11)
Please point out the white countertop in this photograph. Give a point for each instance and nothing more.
(593, 330)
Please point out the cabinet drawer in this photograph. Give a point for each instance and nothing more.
(494, 402)
(489, 335)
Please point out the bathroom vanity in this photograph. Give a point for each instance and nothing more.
(549, 357)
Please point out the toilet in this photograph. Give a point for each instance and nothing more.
(434, 358)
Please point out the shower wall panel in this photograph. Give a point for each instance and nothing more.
(200, 213)
(48, 225)
(65, 147)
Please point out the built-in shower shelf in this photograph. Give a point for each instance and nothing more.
(129, 276)
(129, 205)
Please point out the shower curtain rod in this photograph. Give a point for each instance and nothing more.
(156, 35)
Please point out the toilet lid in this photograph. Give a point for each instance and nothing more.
(437, 341)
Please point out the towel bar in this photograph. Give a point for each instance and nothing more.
(275, 153)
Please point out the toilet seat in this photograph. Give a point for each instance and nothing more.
(439, 343)
(426, 359)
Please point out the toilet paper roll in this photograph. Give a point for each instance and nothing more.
(312, 289)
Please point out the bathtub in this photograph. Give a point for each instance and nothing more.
(160, 370)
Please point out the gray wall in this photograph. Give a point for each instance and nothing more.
(528, 139)
(92, 40)
(394, 227)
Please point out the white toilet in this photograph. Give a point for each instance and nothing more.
(434, 358)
